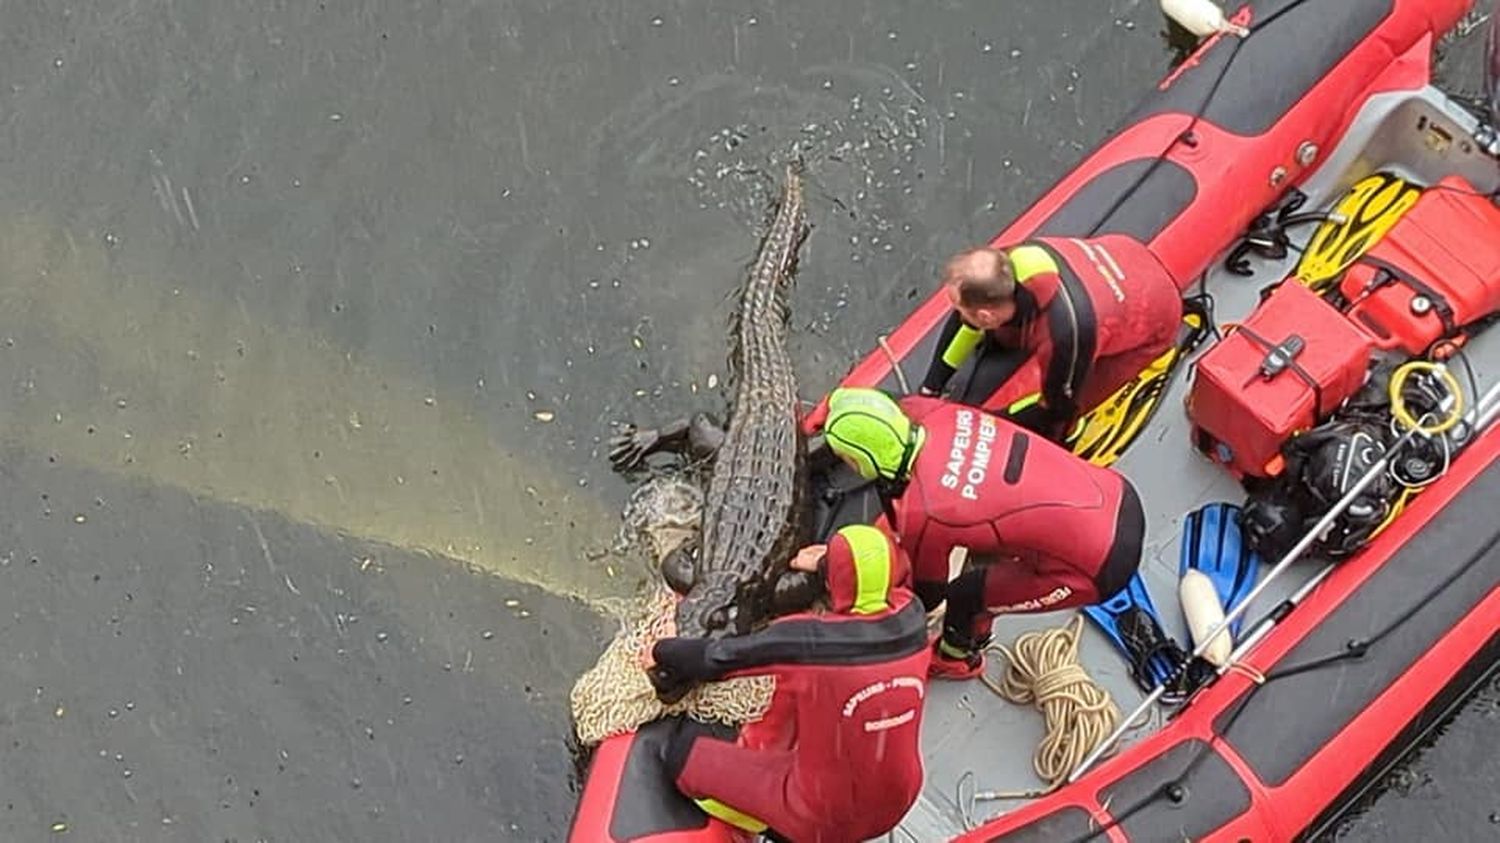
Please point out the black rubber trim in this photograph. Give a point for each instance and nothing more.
(1125, 552)
(853, 641)
(647, 803)
(1066, 824)
(1152, 204)
(1474, 675)
(1074, 330)
(1327, 699)
(938, 371)
(1016, 459)
(1211, 795)
(1275, 68)
(989, 367)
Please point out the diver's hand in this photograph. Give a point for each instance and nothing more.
(632, 445)
(808, 558)
(681, 664)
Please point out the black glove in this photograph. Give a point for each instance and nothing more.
(681, 663)
(1039, 419)
(628, 449)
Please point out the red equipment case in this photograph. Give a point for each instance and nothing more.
(1434, 273)
(1289, 365)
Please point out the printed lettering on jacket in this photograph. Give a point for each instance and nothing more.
(969, 455)
(1052, 597)
(875, 689)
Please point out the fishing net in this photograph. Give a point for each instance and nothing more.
(615, 696)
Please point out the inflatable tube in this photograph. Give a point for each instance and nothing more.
(1223, 137)
(627, 798)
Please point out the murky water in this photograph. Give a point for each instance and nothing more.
(387, 271)
(1446, 790)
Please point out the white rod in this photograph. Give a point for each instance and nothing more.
(1490, 409)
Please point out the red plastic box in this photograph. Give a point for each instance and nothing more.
(1435, 272)
(1240, 413)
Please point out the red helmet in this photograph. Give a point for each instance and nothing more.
(861, 566)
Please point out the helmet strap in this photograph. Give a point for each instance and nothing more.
(887, 492)
(907, 452)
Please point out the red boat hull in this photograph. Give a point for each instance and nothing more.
(1268, 762)
(1294, 87)
(1188, 184)
(627, 798)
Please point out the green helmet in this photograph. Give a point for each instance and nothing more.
(867, 428)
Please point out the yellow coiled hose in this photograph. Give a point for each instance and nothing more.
(1404, 417)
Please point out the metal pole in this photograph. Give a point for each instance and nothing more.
(1486, 410)
(1268, 623)
(1484, 416)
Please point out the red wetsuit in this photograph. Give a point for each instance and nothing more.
(837, 758)
(1045, 529)
(1087, 321)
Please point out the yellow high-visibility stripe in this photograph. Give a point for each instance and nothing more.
(738, 819)
(872, 567)
(951, 651)
(1022, 403)
(1027, 262)
(962, 345)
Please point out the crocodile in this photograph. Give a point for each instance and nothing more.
(733, 574)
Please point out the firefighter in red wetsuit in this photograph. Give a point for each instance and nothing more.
(1058, 324)
(1044, 529)
(836, 758)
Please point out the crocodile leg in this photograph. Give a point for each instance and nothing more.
(704, 436)
(698, 437)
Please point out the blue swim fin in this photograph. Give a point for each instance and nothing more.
(1212, 543)
(1130, 620)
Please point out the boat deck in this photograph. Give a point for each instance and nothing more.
(972, 739)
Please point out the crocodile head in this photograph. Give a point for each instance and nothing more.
(713, 609)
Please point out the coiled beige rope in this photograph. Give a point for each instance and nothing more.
(1043, 669)
(615, 696)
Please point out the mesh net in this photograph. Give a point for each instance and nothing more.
(615, 696)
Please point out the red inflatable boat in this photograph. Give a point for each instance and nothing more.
(1320, 102)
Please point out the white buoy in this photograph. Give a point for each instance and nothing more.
(1200, 604)
(1200, 17)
